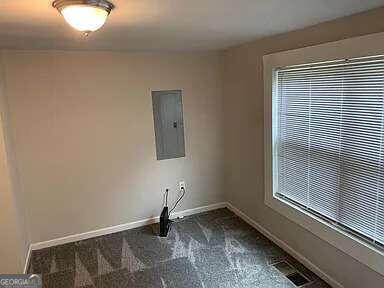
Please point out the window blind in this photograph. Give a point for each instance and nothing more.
(329, 143)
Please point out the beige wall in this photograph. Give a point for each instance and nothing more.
(83, 134)
(243, 122)
(13, 236)
(82, 131)
(10, 252)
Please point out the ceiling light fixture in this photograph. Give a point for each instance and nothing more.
(84, 15)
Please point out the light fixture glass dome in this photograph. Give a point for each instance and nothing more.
(84, 18)
(84, 15)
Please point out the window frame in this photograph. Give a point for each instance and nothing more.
(354, 246)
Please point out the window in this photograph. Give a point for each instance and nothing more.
(333, 116)
(328, 139)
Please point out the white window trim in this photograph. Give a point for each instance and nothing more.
(350, 48)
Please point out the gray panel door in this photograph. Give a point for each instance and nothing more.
(169, 126)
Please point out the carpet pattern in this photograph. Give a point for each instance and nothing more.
(207, 250)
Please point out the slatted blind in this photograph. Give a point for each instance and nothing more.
(330, 142)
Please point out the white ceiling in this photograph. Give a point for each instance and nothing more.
(168, 24)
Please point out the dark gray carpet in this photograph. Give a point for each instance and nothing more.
(208, 250)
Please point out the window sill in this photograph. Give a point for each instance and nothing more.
(344, 241)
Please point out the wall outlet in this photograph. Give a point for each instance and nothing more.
(182, 185)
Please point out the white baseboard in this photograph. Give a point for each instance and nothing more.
(285, 247)
(115, 229)
(28, 256)
(135, 224)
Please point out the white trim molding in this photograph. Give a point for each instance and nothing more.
(349, 48)
(121, 227)
(27, 258)
(115, 229)
(302, 259)
(131, 225)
